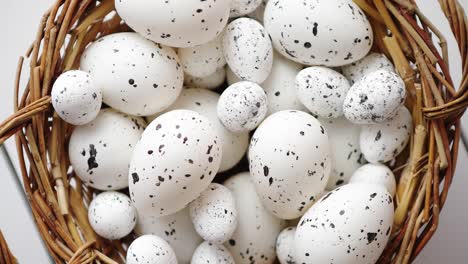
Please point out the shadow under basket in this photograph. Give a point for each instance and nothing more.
(424, 171)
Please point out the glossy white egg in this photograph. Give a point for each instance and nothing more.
(137, 76)
(112, 215)
(175, 23)
(150, 249)
(290, 162)
(372, 62)
(375, 173)
(285, 246)
(76, 98)
(209, 253)
(176, 159)
(100, 151)
(243, 7)
(248, 50)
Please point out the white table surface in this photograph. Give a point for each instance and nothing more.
(19, 19)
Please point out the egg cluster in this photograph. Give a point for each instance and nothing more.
(284, 92)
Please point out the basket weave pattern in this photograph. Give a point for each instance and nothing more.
(424, 171)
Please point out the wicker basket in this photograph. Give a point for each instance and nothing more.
(425, 170)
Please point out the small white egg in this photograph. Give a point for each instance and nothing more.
(290, 162)
(375, 173)
(210, 82)
(203, 60)
(243, 7)
(175, 23)
(177, 229)
(242, 106)
(76, 98)
(319, 32)
(254, 240)
(375, 98)
(174, 162)
(345, 151)
(112, 215)
(382, 142)
(214, 214)
(204, 102)
(100, 151)
(150, 249)
(351, 224)
(372, 62)
(280, 85)
(285, 246)
(137, 76)
(211, 253)
(322, 91)
(248, 50)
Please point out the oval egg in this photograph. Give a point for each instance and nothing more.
(210, 82)
(211, 253)
(290, 166)
(243, 7)
(150, 249)
(375, 173)
(372, 62)
(285, 246)
(176, 159)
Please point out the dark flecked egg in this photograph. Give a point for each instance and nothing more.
(285, 246)
(372, 62)
(150, 249)
(209, 253)
(243, 7)
(375, 173)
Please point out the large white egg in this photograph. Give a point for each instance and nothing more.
(319, 32)
(209, 253)
(322, 91)
(137, 76)
(285, 246)
(177, 229)
(254, 240)
(345, 151)
(112, 215)
(175, 23)
(375, 98)
(100, 151)
(375, 173)
(205, 102)
(76, 98)
(150, 249)
(383, 142)
(248, 50)
(214, 214)
(203, 60)
(210, 82)
(372, 62)
(290, 162)
(243, 7)
(176, 159)
(351, 224)
(280, 85)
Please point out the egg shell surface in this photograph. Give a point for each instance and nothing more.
(137, 76)
(210, 82)
(100, 151)
(375, 173)
(150, 249)
(243, 7)
(285, 246)
(372, 62)
(291, 165)
(211, 253)
(176, 159)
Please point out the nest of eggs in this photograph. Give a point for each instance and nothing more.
(89, 35)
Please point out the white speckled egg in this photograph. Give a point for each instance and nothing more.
(211, 253)
(205, 103)
(254, 240)
(351, 224)
(375, 173)
(248, 50)
(322, 91)
(243, 7)
(76, 98)
(280, 85)
(203, 60)
(214, 214)
(345, 151)
(177, 229)
(112, 215)
(149, 249)
(210, 82)
(175, 23)
(319, 32)
(383, 142)
(285, 246)
(176, 159)
(375, 98)
(137, 76)
(100, 151)
(372, 62)
(242, 106)
(259, 12)
(290, 162)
